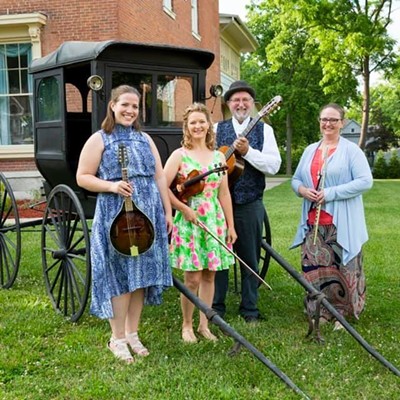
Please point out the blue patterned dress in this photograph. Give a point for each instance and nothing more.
(114, 274)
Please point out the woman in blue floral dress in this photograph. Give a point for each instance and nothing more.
(123, 283)
(193, 250)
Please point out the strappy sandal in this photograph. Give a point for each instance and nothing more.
(119, 347)
(136, 345)
(206, 333)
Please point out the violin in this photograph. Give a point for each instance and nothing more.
(234, 160)
(184, 188)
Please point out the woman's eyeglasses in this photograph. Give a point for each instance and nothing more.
(332, 121)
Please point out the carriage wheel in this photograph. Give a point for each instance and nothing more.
(10, 235)
(65, 252)
(265, 256)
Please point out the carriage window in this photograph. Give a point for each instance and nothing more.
(73, 99)
(49, 100)
(169, 95)
(174, 94)
(142, 82)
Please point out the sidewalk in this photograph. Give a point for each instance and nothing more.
(273, 181)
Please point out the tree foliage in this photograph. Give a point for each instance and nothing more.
(384, 127)
(315, 51)
(283, 65)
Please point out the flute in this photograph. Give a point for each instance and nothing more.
(320, 187)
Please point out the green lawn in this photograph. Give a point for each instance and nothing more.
(42, 356)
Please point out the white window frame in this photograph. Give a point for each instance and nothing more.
(168, 8)
(195, 19)
(21, 28)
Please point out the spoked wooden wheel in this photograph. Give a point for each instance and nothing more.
(10, 235)
(65, 252)
(265, 256)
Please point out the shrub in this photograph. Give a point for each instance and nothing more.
(296, 154)
(394, 165)
(7, 199)
(380, 170)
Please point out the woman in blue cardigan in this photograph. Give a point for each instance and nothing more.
(331, 176)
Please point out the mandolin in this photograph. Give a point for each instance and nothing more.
(194, 184)
(234, 161)
(132, 232)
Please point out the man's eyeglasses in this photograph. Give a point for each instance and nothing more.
(244, 100)
(333, 121)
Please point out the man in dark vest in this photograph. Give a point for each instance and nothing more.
(261, 157)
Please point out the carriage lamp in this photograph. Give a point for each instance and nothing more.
(95, 82)
(215, 91)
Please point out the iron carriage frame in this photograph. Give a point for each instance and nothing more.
(69, 102)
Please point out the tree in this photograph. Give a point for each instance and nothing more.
(337, 40)
(353, 42)
(384, 128)
(385, 102)
(283, 65)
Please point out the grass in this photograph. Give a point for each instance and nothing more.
(42, 356)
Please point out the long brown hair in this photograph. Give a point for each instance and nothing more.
(187, 138)
(108, 123)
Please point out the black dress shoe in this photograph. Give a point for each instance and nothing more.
(251, 319)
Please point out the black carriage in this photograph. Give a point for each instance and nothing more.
(71, 89)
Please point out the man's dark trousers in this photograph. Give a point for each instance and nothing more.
(249, 219)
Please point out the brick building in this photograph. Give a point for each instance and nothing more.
(34, 28)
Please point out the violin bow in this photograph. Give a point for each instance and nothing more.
(204, 227)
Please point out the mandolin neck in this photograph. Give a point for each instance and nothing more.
(129, 206)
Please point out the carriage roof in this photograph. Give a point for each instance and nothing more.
(73, 52)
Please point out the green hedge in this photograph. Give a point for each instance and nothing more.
(386, 169)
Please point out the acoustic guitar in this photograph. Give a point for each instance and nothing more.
(132, 232)
(233, 159)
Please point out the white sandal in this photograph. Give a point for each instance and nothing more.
(119, 347)
(136, 345)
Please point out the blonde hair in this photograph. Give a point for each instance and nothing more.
(187, 138)
(108, 123)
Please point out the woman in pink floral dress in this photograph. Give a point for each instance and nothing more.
(193, 250)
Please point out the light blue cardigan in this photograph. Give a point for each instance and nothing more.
(348, 175)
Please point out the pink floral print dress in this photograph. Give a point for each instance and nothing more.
(191, 248)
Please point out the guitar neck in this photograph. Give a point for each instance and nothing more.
(127, 200)
(248, 129)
